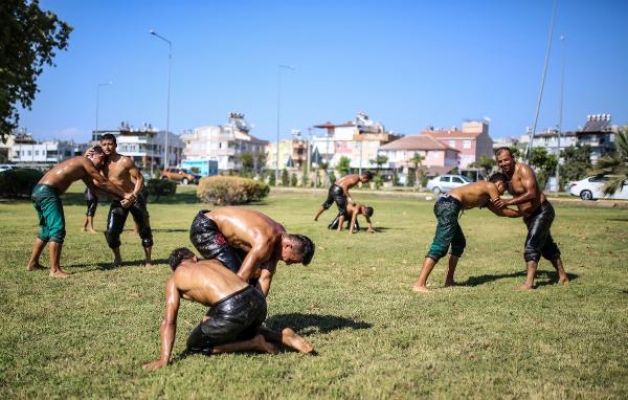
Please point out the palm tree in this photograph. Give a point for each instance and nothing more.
(615, 164)
(417, 160)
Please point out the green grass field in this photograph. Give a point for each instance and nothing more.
(89, 335)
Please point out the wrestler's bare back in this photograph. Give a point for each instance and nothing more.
(348, 181)
(246, 229)
(68, 171)
(205, 282)
(475, 194)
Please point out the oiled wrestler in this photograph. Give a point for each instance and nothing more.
(236, 312)
(447, 209)
(122, 171)
(248, 242)
(538, 215)
(339, 192)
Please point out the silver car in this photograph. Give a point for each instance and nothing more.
(445, 183)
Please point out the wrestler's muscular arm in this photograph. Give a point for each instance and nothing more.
(259, 254)
(135, 174)
(96, 181)
(504, 212)
(354, 217)
(266, 272)
(168, 327)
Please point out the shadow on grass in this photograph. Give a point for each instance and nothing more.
(108, 266)
(307, 324)
(617, 219)
(75, 199)
(548, 278)
(303, 324)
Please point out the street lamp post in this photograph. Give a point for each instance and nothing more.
(307, 155)
(560, 112)
(98, 101)
(279, 117)
(154, 33)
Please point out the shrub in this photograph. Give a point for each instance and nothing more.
(230, 190)
(18, 183)
(160, 187)
(293, 180)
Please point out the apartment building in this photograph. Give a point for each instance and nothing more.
(224, 143)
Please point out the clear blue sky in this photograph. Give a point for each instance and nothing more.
(407, 64)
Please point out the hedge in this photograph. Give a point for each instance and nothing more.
(230, 190)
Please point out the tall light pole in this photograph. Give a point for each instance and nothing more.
(98, 101)
(560, 112)
(308, 154)
(538, 103)
(279, 117)
(154, 33)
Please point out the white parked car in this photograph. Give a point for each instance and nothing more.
(592, 188)
(445, 183)
(6, 167)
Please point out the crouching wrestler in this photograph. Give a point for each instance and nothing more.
(351, 218)
(234, 320)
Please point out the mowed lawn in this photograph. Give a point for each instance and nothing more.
(89, 335)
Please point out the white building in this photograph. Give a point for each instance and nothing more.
(358, 140)
(223, 143)
(145, 145)
(28, 153)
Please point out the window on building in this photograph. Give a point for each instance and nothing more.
(466, 144)
(451, 143)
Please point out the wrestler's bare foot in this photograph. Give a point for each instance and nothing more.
(524, 287)
(91, 231)
(295, 341)
(421, 289)
(58, 274)
(148, 264)
(35, 267)
(262, 345)
(450, 283)
(563, 281)
(116, 263)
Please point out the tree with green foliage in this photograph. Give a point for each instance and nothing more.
(615, 164)
(543, 163)
(344, 166)
(395, 178)
(576, 163)
(305, 180)
(410, 180)
(379, 161)
(284, 177)
(247, 161)
(486, 163)
(29, 38)
(259, 159)
(516, 153)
